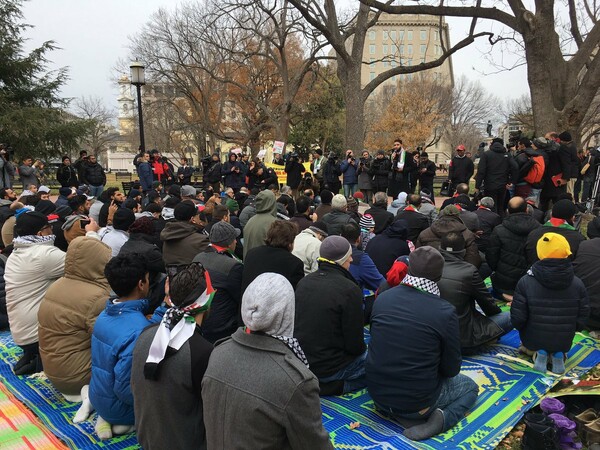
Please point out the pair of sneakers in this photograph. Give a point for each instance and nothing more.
(540, 361)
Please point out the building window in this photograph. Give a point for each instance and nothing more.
(372, 62)
(409, 49)
(393, 35)
(371, 76)
(423, 35)
(401, 34)
(423, 49)
(372, 49)
(385, 49)
(372, 35)
(409, 76)
(393, 63)
(423, 59)
(409, 35)
(385, 35)
(386, 63)
(402, 49)
(409, 62)
(436, 35)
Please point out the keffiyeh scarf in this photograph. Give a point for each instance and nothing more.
(294, 346)
(422, 284)
(176, 328)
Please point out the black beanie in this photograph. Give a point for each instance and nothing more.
(185, 210)
(123, 219)
(30, 223)
(564, 209)
(565, 136)
(593, 228)
(326, 197)
(45, 207)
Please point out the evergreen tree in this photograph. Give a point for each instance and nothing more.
(33, 119)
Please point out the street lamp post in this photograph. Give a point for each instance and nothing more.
(138, 80)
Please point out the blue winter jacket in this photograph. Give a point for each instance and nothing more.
(115, 334)
(364, 271)
(350, 172)
(145, 173)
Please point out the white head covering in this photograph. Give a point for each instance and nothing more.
(268, 305)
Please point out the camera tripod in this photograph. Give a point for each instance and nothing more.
(591, 201)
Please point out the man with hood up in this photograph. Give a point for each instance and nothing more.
(258, 391)
(497, 169)
(448, 222)
(232, 171)
(550, 304)
(389, 245)
(381, 217)
(256, 229)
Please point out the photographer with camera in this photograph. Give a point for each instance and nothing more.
(349, 169)
(232, 171)
(212, 175)
(331, 174)
(294, 170)
(364, 179)
(7, 168)
(380, 172)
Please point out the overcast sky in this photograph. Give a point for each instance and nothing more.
(93, 35)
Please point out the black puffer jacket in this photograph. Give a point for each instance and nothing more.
(380, 171)
(335, 220)
(506, 253)
(587, 268)
(389, 245)
(93, 174)
(549, 305)
(488, 220)
(496, 168)
(382, 217)
(462, 286)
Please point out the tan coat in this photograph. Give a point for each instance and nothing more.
(68, 312)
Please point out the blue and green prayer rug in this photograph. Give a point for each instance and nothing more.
(507, 383)
(508, 387)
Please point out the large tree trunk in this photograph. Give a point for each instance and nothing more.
(355, 105)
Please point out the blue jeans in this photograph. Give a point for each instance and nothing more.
(535, 193)
(502, 320)
(95, 191)
(457, 396)
(353, 375)
(350, 190)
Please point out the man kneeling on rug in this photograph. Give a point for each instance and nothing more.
(414, 358)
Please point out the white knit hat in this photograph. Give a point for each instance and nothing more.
(268, 305)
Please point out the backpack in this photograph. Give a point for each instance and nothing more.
(536, 172)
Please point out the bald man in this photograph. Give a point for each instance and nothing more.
(506, 254)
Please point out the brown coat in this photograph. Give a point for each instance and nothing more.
(68, 312)
(447, 224)
(182, 241)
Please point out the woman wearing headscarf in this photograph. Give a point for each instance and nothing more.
(169, 361)
(258, 391)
